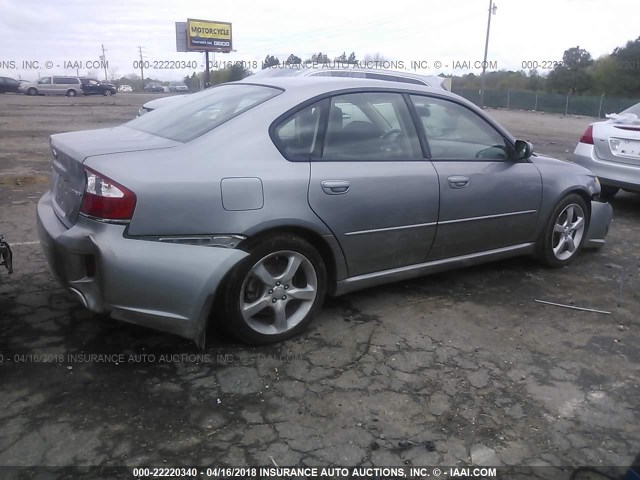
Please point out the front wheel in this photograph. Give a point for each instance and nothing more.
(107, 93)
(71, 93)
(565, 232)
(32, 91)
(274, 293)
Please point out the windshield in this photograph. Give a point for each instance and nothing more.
(281, 71)
(202, 111)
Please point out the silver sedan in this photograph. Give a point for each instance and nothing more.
(248, 202)
(611, 149)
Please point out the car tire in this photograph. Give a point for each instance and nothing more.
(565, 232)
(275, 292)
(32, 91)
(607, 192)
(71, 93)
(107, 93)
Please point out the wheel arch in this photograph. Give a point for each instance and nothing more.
(326, 245)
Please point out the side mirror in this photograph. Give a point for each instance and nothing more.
(523, 149)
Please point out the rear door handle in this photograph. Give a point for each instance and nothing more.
(335, 187)
(458, 181)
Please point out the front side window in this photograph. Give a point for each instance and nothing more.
(456, 133)
(202, 111)
(44, 81)
(370, 126)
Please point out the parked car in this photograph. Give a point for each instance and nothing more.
(56, 85)
(91, 86)
(160, 102)
(125, 89)
(295, 188)
(153, 88)
(179, 88)
(308, 71)
(9, 85)
(352, 72)
(611, 150)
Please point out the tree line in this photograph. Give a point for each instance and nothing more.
(615, 74)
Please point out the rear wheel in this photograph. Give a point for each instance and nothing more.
(607, 192)
(274, 293)
(566, 230)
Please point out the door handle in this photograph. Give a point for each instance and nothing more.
(458, 181)
(335, 187)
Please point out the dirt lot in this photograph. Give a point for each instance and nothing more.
(457, 368)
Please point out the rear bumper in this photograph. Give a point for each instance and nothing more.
(601, 216)
(615, 174)
(165, 286)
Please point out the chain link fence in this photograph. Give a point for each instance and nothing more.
(591, 106)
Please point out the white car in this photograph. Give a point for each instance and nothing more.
(125, 89)
(611, 150)
(310, 71)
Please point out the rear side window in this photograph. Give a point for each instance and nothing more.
(203, 111)
(64, 80)
(297, 137)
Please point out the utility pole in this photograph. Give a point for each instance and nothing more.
(104, 63)
(492, 11)
(141, 67)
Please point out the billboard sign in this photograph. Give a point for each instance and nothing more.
(207, 35)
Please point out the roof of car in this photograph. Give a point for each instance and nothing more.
(318, 85)
(306, 70)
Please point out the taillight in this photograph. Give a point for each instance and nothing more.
(105, 199)
(587, 136)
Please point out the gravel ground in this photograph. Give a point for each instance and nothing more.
(457, 368)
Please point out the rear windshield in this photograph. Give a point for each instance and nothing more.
(203, 111)
(635, 110)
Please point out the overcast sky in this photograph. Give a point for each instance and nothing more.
(426, 30)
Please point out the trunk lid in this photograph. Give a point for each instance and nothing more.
(618, 143)
(70, 150)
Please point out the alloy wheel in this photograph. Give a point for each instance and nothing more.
(568, 231)
(278, 292)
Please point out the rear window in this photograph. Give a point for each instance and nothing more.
(635, 110)
(203, 111)
(282, 71)
(393, 78)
